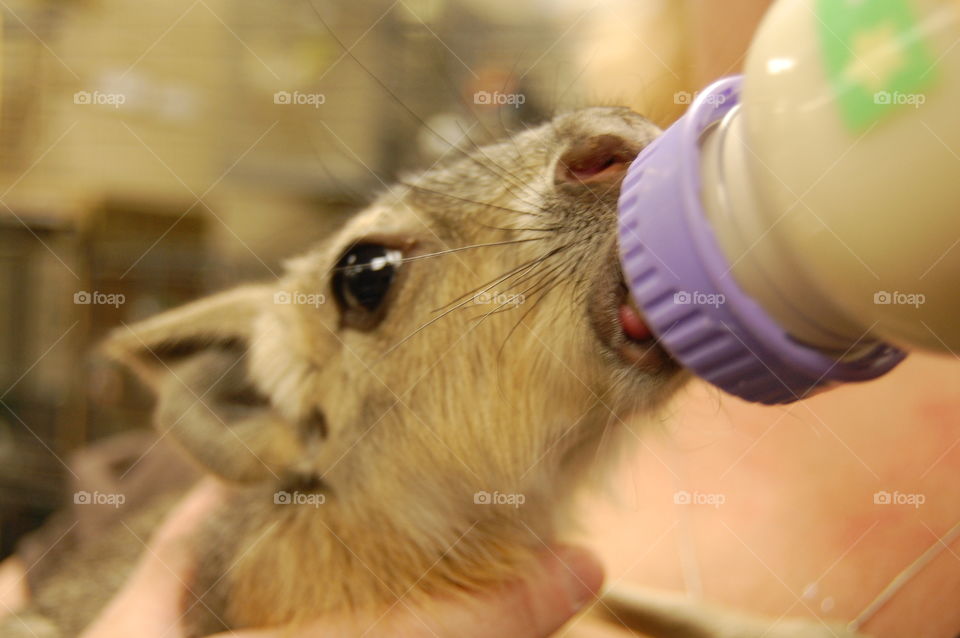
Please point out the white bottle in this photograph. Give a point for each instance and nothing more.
(822, 199)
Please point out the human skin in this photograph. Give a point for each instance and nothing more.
(798, 532)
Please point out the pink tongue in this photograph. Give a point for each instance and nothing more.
(633, 325)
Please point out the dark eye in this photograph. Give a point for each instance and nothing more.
(362, 279)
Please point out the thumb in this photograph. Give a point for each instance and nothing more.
(564, 581)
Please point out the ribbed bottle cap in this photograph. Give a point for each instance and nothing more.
(684, 286)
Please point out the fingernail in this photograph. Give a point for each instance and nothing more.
(582, 573)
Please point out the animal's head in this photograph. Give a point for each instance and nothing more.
(468, 332)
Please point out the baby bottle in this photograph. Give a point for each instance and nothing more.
(799, 226)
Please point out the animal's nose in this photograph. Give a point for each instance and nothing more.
(599, 159)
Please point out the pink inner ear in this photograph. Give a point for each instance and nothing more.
(602, 158)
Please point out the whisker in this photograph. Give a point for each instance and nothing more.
(465, 299)
(519, 321)
(466, 200)
(542, 275)
(504, 174)
(440, 253)
(500, 308)
(483, 288)
(555, 282)
(506, 242)
(530, 291)
(545, 229)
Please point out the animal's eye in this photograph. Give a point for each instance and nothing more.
(362, 278)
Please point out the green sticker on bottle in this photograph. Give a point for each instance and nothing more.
(875, 57)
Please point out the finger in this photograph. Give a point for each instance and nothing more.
(565, 580)
(150, 602)
(13, 586)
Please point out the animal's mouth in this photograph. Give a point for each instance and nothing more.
(620, 327)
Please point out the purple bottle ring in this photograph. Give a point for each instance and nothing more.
(684, 285)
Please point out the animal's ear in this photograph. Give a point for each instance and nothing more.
(225, 320)
(195, 360)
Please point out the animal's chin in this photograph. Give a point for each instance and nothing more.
(620, 327)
